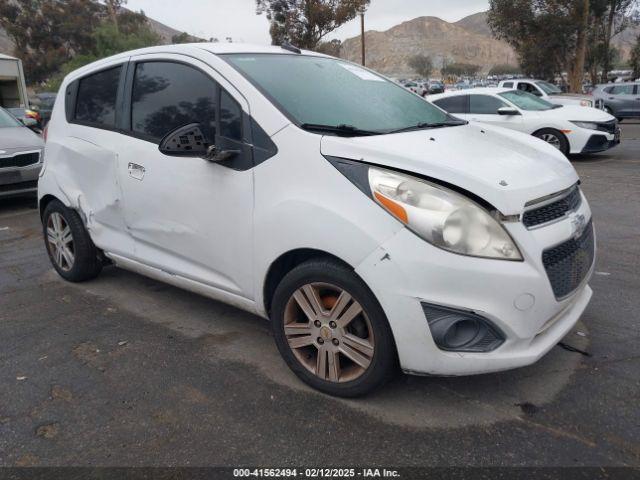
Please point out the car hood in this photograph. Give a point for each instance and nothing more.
(582, 114)
(19, 137)
(505, 168)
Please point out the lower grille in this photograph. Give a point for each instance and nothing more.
(14, 187)
(553, 211)
(20, 160)
(568, 264)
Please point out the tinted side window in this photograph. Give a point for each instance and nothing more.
(230, 117)
(169, 95)
(457, 104)
(508, 85)
(485, 105)
(97, 94)
(622, 90)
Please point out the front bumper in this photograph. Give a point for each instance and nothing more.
(516, 297)
(601, 142)
(19, 181)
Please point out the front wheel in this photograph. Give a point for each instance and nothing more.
(554, 138)
(331, 330)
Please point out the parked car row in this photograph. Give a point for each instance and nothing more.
(571, 128)
(371, 233)
(622, 100)
(20, 156)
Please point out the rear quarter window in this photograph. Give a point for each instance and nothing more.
(97, 97)
(457, 104)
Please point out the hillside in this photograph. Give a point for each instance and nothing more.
(165, 32)
(468, 40)
(389, 52)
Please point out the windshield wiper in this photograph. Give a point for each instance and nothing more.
(342, 129)
(426, 125)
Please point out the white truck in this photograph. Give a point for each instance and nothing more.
(13, 89)
(551, 93)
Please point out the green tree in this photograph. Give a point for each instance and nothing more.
(548, 35)
(505, 69)
(610, 18)
(48, 33)
(305, 23)
(422, 64)
(332, 48)
(634, 63)
(108, 39)
(460, 69)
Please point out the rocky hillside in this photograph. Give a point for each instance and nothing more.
(468, 41)
(389, 52)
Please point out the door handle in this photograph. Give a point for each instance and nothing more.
(136, 171)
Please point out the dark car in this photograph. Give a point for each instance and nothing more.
(20, 157)
(622, 100)
(436, 87)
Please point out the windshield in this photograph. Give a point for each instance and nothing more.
(549, 88)
(7, 120)
(527, 101)
(326, 91)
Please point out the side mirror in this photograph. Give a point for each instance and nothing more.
(189, 141)
(185, 141)
(508, 112)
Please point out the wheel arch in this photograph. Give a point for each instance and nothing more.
(287, 262)
(44, 202)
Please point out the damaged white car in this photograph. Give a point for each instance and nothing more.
(372, 228)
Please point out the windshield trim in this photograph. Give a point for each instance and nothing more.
(280, 107)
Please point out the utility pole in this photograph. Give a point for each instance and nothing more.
(363, 8)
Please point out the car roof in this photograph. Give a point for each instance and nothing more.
(471, 91)
(214, 48)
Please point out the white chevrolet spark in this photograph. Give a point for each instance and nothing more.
(369, 226)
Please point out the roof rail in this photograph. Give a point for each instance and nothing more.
(287, 46)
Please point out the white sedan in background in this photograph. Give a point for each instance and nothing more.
(570, 129)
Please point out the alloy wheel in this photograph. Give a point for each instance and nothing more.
(60, 242)
(329, 332)
(552, 140)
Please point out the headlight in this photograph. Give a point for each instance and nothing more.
(587, 125)
(586, 103)
(442, 217)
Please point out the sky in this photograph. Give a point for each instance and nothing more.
(237, 18)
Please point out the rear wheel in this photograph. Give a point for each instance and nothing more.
(331, 330)
(70, 249)
(555, 138)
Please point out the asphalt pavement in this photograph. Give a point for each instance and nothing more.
(126, 371)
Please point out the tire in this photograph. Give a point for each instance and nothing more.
(554, 138)
(69, 246)
(361, 329)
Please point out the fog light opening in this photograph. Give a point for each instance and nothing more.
(461, 331)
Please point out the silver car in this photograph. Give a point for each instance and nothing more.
(622, 100)
(20, 157)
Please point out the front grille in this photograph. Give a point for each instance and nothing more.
(20, 160)
(609, 127)
(568, 264)
(553, 211)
